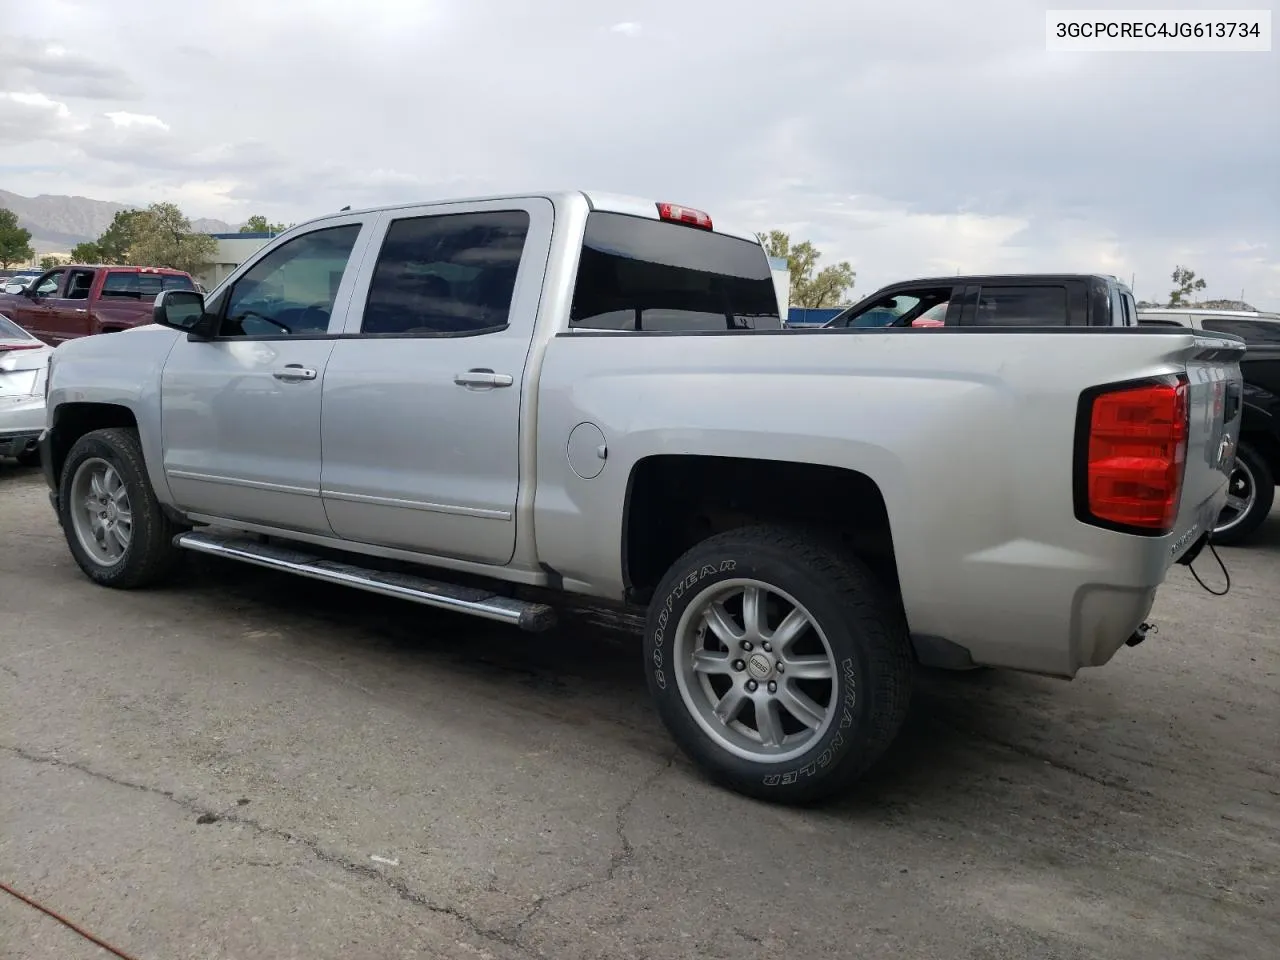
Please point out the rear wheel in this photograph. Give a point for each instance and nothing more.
(113, 523)
(1250, 494)
(777, 663)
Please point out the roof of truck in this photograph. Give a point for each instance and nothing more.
(602, 200)
(1007, 277)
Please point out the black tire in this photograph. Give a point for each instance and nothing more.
(1264, 483)
(151, 556)
(866, 634)
(29, 458)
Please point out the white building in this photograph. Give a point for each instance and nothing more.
(781, 283)
(233, 250)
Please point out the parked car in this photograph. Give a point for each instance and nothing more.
(76, 301)
(17, 282)
(24, 361)
(1004, 300)
(1257, 466)
(589, 394)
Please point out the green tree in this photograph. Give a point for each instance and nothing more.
(810, 287)
(260, 224)
(86, 253)
(15, 241)
(50, 261)
(1185, 283)
(163, 238)
(113, 246)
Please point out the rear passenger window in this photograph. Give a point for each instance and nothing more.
(1251, 331)
(131, 285)
(1022, 307)
(446, 274)
(640, 274)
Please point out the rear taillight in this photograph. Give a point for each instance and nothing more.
(7, 347)
(1132, 445)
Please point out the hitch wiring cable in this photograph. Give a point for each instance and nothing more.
(1225, 572)
(29, 901)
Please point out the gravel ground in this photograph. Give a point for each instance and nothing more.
(246, 765)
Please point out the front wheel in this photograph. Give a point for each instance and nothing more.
(1251, 491)
(777, 663)
(114, 525)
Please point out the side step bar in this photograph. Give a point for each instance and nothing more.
(534, 617)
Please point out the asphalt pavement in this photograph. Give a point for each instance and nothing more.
(244, 765)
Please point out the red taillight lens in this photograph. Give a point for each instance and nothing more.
(687, 215)
(7, 347)
(1136, 455)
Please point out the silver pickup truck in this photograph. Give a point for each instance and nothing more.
(478, 405)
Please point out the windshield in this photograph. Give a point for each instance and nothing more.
(641, 274)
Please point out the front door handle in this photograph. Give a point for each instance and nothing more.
(483, 377)
(293, 372)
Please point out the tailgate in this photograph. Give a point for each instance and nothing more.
(1215, 405)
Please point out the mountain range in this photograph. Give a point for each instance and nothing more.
(57, 223)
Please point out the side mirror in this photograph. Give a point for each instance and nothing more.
(181, 310)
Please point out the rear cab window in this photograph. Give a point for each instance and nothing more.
(141, 287)
(637, 274)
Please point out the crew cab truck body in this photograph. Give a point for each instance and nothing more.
(999, 300)
(78, 301)
(1252, 487)
(480, 404)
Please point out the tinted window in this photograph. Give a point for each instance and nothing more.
(1160, 323)
(899, 309)
(1251, 331)
(290, 291)
(1022, 306)
(451, 273)
(638, 274)
(79, 283)
(1130, 310)
(131, 285)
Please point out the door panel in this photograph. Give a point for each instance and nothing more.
(422, 400)
(241, 413)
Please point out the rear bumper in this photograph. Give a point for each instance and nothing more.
(1042, 608)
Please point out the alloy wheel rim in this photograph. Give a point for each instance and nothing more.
(101, 512)
(1242, 493)
(755, 670)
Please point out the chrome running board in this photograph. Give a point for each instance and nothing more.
(533, 617)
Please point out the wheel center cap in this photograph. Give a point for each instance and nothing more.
(111, 511)
(760, 665)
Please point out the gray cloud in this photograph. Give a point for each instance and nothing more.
(28, 63)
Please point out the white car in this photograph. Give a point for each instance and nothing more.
(24, 365)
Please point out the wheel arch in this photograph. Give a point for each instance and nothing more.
(673, 501)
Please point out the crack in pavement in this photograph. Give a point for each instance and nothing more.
(399, 887)
(621, 857)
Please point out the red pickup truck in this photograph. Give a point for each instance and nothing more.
(75, 301)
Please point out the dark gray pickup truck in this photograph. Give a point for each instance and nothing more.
(1008, 300)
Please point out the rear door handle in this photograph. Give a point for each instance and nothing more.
(293, 372)
(483, 377)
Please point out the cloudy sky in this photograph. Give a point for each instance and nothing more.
(909, 137)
